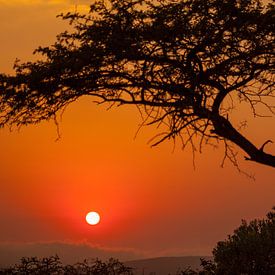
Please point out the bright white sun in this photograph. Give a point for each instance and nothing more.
(92, 218)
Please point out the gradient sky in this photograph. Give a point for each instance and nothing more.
(152, 201)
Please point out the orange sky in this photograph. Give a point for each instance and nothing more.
(151, 199)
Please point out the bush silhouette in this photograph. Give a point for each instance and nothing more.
(249, 251)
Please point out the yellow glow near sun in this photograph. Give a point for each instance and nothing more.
(92, 218)
(66, 5)
(31, 2)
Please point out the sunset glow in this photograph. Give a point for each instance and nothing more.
(90, 178)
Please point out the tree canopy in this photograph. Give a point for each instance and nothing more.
(250, 250)
(184, 63)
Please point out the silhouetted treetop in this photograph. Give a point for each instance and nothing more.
(250, 250)
(185, 64)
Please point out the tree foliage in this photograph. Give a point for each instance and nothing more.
(185, 64)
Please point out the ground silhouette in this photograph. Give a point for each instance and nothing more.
(53, 265)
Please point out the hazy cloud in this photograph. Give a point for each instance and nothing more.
(11, 253)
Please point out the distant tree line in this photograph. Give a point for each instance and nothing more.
(53, 265)
(249, 251)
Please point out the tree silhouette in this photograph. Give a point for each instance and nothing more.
(250, 250)
(185, 64)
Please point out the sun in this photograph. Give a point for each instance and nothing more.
(92, 218)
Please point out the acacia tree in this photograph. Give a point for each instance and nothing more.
(184, 63)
